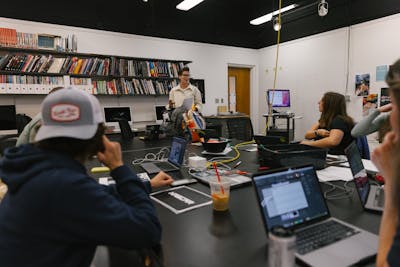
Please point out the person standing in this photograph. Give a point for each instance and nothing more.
(184, 90)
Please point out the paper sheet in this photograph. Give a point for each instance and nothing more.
(369, 166)
(334, 173)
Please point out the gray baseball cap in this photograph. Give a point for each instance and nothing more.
(69, 112)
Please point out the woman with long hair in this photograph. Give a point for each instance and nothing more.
(334, 126)
(387, 159)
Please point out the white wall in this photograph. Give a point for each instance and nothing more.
(308, 67)
(210, 62)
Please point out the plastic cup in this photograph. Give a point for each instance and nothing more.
(220, 193)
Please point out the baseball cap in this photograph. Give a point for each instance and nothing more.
(69, 112)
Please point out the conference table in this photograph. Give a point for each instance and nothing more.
(236, 238)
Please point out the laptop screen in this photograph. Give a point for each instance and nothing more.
(358, 171)
(290, 197)
(177, 152)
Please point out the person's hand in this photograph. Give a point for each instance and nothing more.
(161, 179)
(383, 156)
(323, 132)
(171, 104)
(305, 142)
(385, 108)
(111, 156)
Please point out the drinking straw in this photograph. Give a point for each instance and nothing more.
(219, 177)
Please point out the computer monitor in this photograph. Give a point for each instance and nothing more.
(159, 113)
(113, 114)
(8, 119)
(279, 98)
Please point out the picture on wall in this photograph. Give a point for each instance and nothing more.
(362, 84)
(385, 97)
(370, 103)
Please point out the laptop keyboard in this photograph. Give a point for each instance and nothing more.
(379, 198)
(321, 235)
(165, 165)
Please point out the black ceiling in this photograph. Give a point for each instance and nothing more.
(223, 22)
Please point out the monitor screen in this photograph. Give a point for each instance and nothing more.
(117, 113)
(281, 98)
(159, 112)
(8, 119)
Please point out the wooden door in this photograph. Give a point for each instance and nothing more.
(239, 81)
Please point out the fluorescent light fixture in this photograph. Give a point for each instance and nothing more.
(188, 4)
(269, 16)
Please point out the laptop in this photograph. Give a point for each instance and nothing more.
(175, 158)
(292, 198)
(371, 195)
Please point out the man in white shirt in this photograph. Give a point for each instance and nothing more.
(184, 90)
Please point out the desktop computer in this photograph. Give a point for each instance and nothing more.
(113, 115)
(8, 120)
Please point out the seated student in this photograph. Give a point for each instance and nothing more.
(54, 214)
(375, 121)
(333, 128)
(30, 130)
(386, 157)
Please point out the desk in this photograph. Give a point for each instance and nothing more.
(236, 238)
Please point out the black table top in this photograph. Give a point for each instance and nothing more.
(202, 237)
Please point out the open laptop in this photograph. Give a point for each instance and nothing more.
(371, 195)
(175, 158)
(292, 198)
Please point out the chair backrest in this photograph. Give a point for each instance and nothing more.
(240, 128)
(362, 145)
(126, 130)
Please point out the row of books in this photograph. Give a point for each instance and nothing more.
(28, 79)
(133, 87)
(8, 37)
(88, 66)
(12, 38)
(128, 67)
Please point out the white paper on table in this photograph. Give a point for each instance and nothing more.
(334, 173)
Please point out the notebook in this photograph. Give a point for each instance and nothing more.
(292, 198)
(371, 195)
(175, 158)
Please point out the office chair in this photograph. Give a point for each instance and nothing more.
(240, 128)
(126, 131)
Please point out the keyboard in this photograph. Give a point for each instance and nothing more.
(165, 165)
(321, 235)
(379, 198)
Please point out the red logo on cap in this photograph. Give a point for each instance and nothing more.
(65, 112)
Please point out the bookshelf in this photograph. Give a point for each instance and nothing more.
(37, 71)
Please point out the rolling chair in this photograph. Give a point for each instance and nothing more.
(240, 128)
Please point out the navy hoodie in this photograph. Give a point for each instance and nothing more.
(54, 214)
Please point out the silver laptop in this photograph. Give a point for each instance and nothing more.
(175, 158)
(371, 195)
(292, 198)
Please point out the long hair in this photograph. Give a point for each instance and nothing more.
(334, 104)
(393, 80)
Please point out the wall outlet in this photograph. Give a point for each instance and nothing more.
(216, 100)
(347, 98)
(222, 100)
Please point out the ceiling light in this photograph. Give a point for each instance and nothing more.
(276, 24)
(188, 4)
(269, 16)
(323, 8)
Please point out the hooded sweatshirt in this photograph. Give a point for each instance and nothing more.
(54, 214)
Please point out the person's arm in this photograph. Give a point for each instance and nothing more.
(314, 132)
(382, 157)
(197, 100)
(373, 122)
(87, 211)
(334, 139)
(171, 100)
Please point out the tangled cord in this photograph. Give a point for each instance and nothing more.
(347, 191)
(150, 157)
